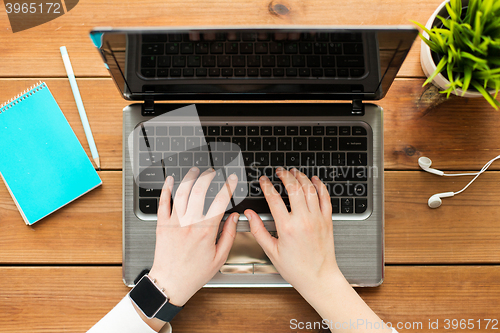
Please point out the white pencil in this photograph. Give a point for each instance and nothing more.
(79, 105)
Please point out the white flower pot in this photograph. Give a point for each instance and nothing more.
(428, 65)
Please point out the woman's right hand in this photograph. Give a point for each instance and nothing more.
(304, 252)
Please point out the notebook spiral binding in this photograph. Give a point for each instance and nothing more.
(22, 96)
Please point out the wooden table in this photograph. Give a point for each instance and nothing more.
(64, 273)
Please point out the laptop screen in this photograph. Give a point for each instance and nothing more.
(254, 64)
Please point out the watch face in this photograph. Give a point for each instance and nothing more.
(147, 297)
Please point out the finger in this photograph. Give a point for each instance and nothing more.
(199, 192)
(182, 193)
(164, 208)
(274, 200)
(293, 188)
(262, 236)
(324, 197)
(226, 238)
(308, 189)
(219, 205)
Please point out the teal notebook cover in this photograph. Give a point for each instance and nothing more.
(42, 163)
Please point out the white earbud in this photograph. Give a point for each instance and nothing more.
(425, 163)
(435, 200)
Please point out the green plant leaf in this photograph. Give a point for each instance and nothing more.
(439, 68)
(486, 95)
(467, 79)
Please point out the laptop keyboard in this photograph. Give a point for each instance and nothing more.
(336, 153)
(252, 55)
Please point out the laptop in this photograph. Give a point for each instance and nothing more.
(330, 129)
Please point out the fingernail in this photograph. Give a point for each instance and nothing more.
(249, 217)
(279, 169)
(264, 178)
(170, 180)
(232, 177)
(294, 170)
(236, 218)
(315, 178)
(193, 169)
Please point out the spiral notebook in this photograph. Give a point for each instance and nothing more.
(42, 163)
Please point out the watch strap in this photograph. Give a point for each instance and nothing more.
(168, 312)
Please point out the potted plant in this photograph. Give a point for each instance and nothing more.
(461, 49)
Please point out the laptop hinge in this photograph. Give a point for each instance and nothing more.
(358, 108)
(148, 108)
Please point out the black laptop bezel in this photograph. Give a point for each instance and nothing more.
(310, 90)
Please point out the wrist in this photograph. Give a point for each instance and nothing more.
(325, 284)
(155, 323)
(176, 294)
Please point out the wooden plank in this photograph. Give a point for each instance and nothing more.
(35, 52)
(86, 231)
(464, 230)
(72, 299)
(458, 134)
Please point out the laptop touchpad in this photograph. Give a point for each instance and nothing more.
(247, 257)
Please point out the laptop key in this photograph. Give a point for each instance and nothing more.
(358, 130)
(151, 174)
(186, 159)
(178, 61)
(353, 143)
(150, 190)
(238, 61)
(193, 143)
(347, 205)
(153, 49)
(357, 159)
(170, 159)
(208, 61)
(148, 206)
(174, 172)
(201, 159)
(162, 73)
(315, 144)
(162, 144)
(317, 72)
(201, 48)
(175, 72)
(214, 72)
(145, 144)
(172, 48)
(253, 72)
(178, 144)
(361, 205)
(149, 61)
(148, 72)
(239, 72)
(254, 144)
(269, 143)
(240, 130)
(148, 159)
(292, 159)
(350, 61)
(278, 72)
(227, 72)
(278, 159)
(188, 72)
(335, 205)
(265, 72)
(299, 143)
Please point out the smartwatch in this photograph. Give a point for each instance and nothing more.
(152, 300)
